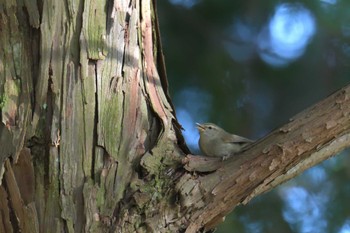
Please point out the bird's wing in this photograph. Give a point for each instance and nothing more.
(237, 139)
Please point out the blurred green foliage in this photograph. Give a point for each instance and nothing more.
(217, 73)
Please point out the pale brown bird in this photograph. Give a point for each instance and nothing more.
(215, 141)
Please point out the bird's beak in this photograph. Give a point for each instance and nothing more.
(200, 127)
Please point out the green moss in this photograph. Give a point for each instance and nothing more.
(100, 196)
(3, 100)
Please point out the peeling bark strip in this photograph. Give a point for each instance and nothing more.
(21, 194)
(153, 85)
(310, 137)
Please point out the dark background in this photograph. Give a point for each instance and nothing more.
(249, 66)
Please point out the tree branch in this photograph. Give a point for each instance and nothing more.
(310, 137)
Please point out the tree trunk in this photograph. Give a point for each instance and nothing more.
(89, 139)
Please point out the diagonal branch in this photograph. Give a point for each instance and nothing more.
(310, 137)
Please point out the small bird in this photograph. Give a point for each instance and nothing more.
(215, 141)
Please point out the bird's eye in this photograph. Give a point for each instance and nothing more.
(209, 127)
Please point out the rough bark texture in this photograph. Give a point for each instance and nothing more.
(310, 137)
(83, 105)
(88, 136)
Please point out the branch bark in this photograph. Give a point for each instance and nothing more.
(309, 138)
